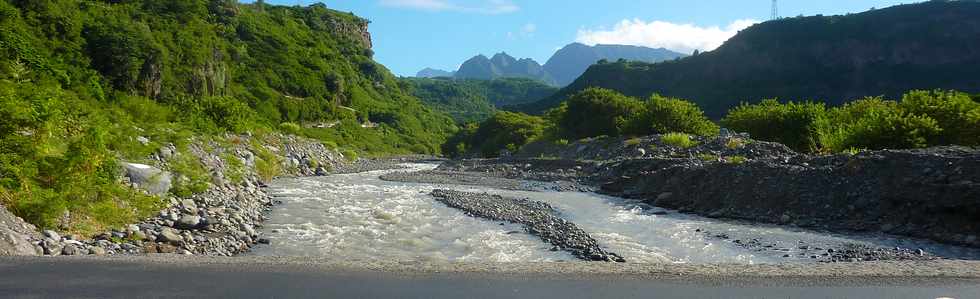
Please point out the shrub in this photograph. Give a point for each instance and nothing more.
(291, 128)
(792, 124)
(504, 131)
(596, 111)
(678, 139)
(190, 176)
(736, 160)
(953, 111)
(874, 123)
(664, 115)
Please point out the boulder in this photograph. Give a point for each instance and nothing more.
(148, 178)
(16, 235)
(169, 235)
(188, 222)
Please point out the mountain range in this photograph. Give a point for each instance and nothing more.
(831, 59)
(562, 68)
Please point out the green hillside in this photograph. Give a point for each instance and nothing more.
(833, 59)
(472, 100)
(87, 83)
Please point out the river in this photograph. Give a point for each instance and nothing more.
(361, 217)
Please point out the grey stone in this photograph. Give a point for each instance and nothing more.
(143, 140)
(188, 222)
(96, 250)
(169, 235)
(665, 195)
(148, 178)
(69, 250)
(52, 234)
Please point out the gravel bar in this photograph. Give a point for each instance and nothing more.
(538, 219)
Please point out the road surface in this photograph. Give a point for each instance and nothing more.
(245, 278)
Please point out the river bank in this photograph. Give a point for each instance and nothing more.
(221, 220)
(928, 193)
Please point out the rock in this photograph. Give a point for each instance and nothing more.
(785, 218)
(96, 250)
(167, 152)
(264, 241)
(641, 152)
(188, 222)
(69, 250)
(143, 140)
(665, 195)
(139, 235)
(51, 247)
(169, 235)
(148, 178)
(52, 235)
(166, 248)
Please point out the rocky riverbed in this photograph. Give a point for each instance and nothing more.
(538, 218)
(223, 220)
(927, 193)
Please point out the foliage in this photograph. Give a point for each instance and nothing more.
(472, 100)
(920, 119)
(792, 124)
(82, 82)
(664, 115)
(874, 123)
(504, 131)
(681, 140)
(953, 111)
(596, 111)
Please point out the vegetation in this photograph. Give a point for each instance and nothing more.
(679, 140)
(86, 84)
(472, 100)
(920, 119)
(837, 58)
(791, 124)
(504, 131)
(596, 111)
(664, 114)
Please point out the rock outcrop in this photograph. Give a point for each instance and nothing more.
(16, 236)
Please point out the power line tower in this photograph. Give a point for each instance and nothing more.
(775, 10)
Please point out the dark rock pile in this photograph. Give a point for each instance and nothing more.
(538, 219)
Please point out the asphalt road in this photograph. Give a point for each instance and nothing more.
(160, 278)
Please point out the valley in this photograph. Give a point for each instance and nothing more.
(156, 147)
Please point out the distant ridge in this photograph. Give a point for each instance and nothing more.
(566, 65)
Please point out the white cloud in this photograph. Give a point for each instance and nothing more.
(490, 7)
(684, 38)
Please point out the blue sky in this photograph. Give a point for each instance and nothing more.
(413, 34)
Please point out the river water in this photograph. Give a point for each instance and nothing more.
(361, 217)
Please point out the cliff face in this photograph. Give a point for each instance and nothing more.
(357, 31)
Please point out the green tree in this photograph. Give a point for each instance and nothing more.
(596, 112)
(792, 124)
(663, 115)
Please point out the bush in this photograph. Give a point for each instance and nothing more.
(792, 124)
(680, 140)
(953, 111)
(664, 115)
(874, 123)
(504, 131)
(291, 128)
(596, 111)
